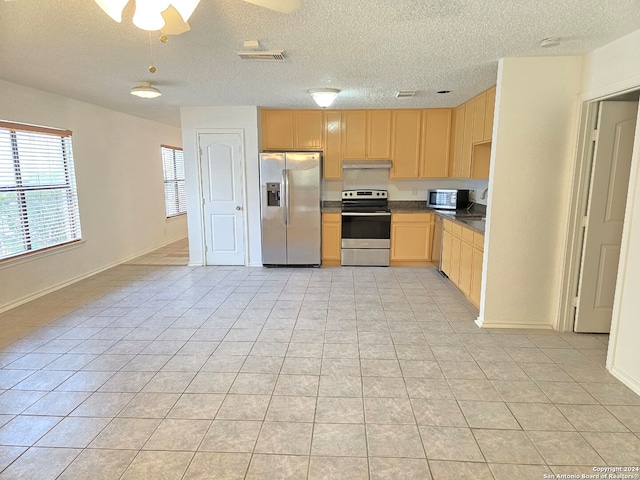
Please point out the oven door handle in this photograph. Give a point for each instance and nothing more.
(366, 214)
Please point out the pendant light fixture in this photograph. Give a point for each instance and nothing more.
(324, 97)
(148, 13)
(145, 90)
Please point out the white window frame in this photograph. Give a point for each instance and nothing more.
(179, 206)
(13, 161)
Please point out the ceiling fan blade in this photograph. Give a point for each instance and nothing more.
(174, 24)
(113, 8)
(282, 6)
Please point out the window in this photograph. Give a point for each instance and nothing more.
(175, 198)
(38, 199)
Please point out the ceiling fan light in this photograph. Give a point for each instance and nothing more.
(282, 6)
(148, 15)
(113, 8)
(145, 90)
(324, 97)
(185, 7)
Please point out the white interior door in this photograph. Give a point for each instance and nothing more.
(221, 161)
(605, 215)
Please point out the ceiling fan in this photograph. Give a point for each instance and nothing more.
(171, 16)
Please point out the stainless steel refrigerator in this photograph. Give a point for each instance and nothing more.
(290, 206)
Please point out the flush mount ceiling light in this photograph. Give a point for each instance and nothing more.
(550, 42)
(324, 97)
(145, 90)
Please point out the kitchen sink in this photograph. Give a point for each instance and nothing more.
(469, 216)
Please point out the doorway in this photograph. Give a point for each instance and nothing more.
(602, 179)
(221, 176)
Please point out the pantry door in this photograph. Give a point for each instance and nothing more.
(605, 215)
(222, 174)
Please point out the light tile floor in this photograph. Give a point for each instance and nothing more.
(344, 373)
(176, 253)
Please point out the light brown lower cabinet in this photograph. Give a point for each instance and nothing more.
(462, 250)
(331, 238)
(411, 235)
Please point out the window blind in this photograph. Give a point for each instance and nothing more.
(38, 198)
(175, 197)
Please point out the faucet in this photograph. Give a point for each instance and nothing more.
(484, 193)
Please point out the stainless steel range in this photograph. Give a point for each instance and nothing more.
(366, 228)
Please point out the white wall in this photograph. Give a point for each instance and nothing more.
(120, 191)
(413, 190)
(531, 160)
(608, 70)
(203, 119)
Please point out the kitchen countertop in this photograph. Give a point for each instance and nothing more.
(457, 216)
(331, 206)
(409, 206)
(475, 224)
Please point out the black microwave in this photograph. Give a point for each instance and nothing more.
(445, 199)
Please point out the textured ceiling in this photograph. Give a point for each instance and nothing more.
(369, 49)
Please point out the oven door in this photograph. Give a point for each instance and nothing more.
(366, 229)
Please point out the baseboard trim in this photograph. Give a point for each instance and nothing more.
(524, 326)
(630, 382)
(66, 283)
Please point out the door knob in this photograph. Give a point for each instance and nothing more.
(238, 207)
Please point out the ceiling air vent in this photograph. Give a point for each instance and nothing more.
(405, 93)
(268, 55)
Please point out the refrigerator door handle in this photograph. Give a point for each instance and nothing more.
(285, 188)
(288, 196)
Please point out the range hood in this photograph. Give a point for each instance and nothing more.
(352, 164)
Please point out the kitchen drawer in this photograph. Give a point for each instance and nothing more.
(467, 235)
(412, 217)
(454, 228)
(478, 240)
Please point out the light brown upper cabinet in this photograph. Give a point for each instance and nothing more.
(405, 143)
(277, 129)
(292, 129)
(484, 105)
(481, 160)
(332, 158)
(479, 112)
(354, 138)
(489, 114)
(464, 167)
(366, 134)
(420, 143)
(457, 122)
(436, 140)
(308, 129)
(472, 127)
